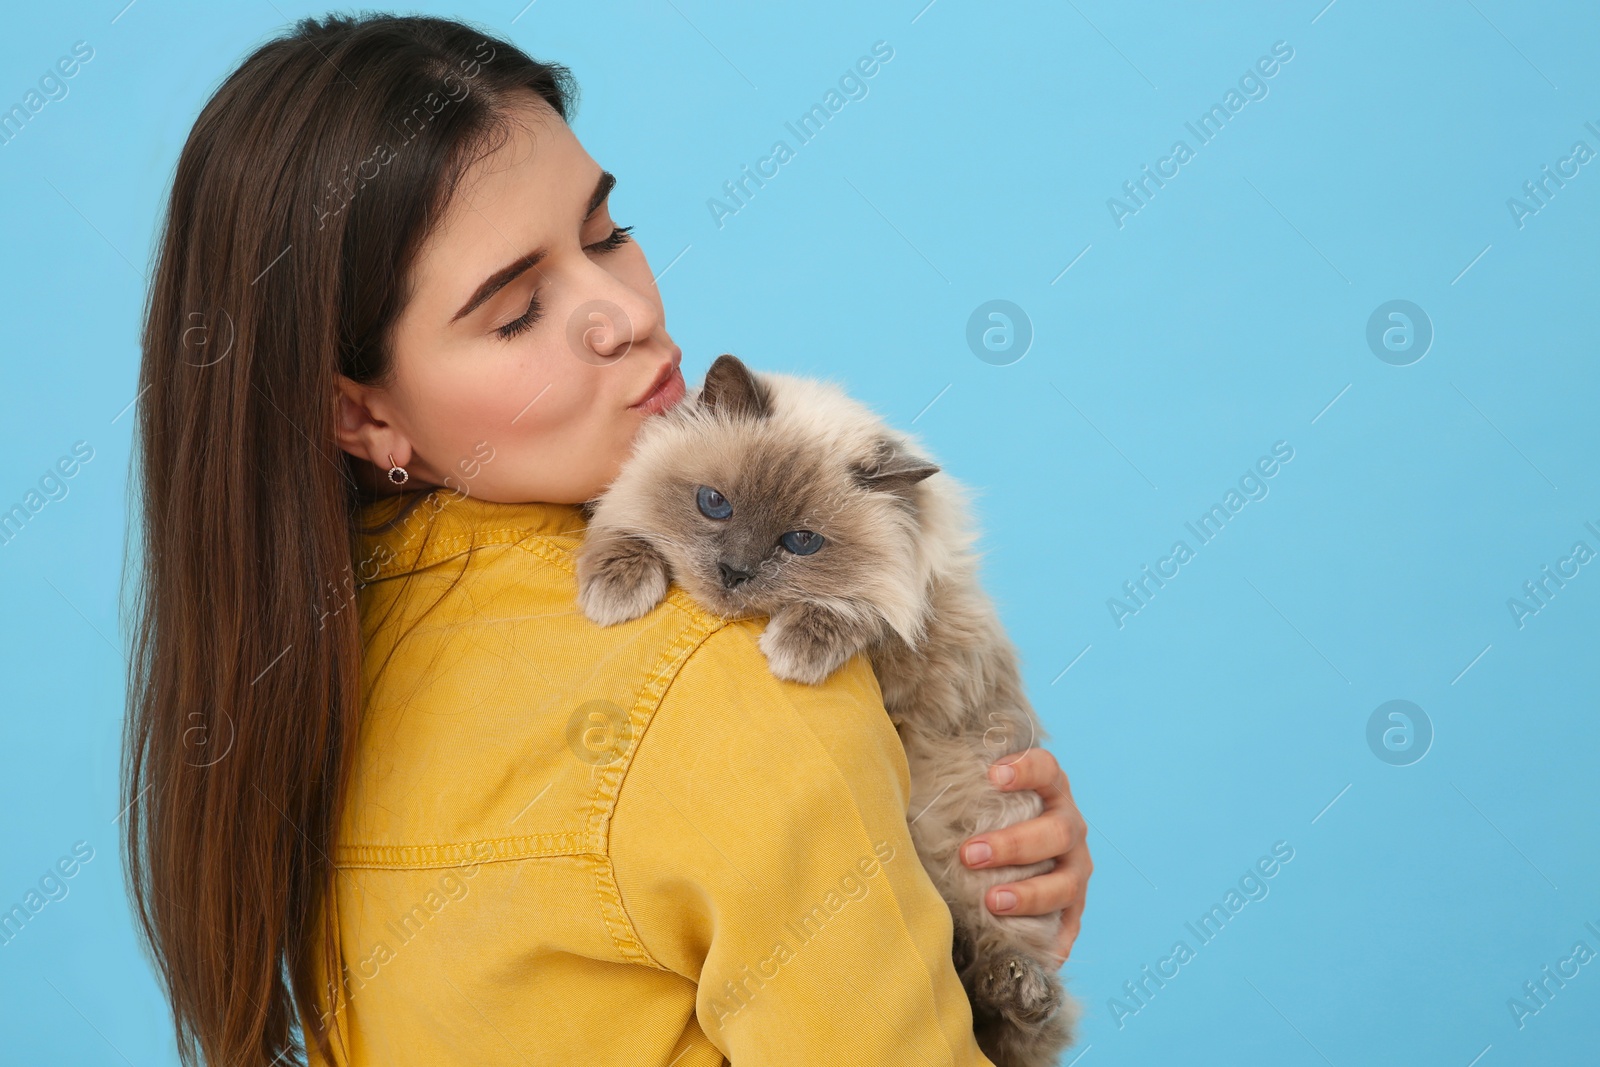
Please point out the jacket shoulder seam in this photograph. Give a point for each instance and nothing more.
(624, 932)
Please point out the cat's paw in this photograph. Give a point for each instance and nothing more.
(1018, 988)
(620, 578)
(805, 643)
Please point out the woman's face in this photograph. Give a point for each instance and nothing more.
(532, 335)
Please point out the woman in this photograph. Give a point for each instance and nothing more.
(386, 784)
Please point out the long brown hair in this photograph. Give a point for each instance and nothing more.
(299, 201)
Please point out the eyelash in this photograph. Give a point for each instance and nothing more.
(614, 240)
(610, 243)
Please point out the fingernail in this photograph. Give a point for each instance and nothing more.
(1002, 773)
(1005, 900)
(979, 853)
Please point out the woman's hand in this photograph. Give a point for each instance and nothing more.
(1058, 833)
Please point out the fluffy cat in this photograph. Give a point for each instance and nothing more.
(774, 495)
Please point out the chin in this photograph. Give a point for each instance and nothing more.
(720, 601)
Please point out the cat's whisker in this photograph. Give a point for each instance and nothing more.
(896, 577)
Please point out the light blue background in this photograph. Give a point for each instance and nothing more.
(1226, 315)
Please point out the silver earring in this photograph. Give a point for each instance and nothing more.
(397, 474)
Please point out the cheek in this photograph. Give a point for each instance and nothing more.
(571, 422)
(558, 425)
(521, 396)
(568, 405)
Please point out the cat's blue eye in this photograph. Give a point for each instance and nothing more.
(801, 542)
(713, 505)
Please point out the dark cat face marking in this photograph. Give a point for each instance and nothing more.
(732, 390)
(891, 469)
(762, 491)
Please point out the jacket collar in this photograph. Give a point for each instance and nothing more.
(410, 530)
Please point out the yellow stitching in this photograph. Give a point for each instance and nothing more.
(456, 855)
(624, 932)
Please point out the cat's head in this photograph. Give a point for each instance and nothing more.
(761, 489)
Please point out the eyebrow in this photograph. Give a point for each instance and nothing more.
(517, 267)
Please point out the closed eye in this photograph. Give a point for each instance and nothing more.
(612, 241)
(527, 319)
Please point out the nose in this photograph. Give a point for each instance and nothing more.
(732, 576)
(600, 331)
(619, 313)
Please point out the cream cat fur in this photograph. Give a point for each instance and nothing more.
(895, 576)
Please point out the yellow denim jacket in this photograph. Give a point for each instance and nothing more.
(631, 845)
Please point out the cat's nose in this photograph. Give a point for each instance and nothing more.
(732, 576)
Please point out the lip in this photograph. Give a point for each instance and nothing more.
(666, 390)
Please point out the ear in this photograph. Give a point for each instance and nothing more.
(360, 429)
(891, 468)
(731, 388)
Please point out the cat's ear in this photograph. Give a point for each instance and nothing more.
(731, 388)
(891, 468)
